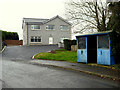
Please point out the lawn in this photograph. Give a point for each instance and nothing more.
(59, 55)
(69, 56)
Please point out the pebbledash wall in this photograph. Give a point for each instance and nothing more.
(56, 34)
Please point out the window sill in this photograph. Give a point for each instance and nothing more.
(103, 48)
(64, 30)
(35, 42)
(81, 49)
(50, 30)
(35, 29)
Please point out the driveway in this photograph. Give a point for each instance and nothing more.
(25, 52)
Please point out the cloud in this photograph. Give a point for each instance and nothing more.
(13, 11)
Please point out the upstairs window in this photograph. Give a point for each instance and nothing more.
(63, 27)
(35, 27)
(35, 39)
(50, 27)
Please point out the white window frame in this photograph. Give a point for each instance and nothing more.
(48, 26)
(34, 39)
(34, 27)
(64, 29)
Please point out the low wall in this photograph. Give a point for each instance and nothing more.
(61, 45)
(13, 42)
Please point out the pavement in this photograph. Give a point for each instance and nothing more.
(93, 70)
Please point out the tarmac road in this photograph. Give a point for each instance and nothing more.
(23, 75)
(17, 74)
(25, 52)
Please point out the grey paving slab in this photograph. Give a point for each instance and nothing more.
(81, 67)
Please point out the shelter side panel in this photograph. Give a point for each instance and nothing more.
(103, 56)
(81, 55)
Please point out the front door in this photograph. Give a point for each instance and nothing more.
(50, 40)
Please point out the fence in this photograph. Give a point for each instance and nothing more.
(14, 42)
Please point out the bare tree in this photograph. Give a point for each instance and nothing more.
(88, 15)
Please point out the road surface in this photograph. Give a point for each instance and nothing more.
(18, 73)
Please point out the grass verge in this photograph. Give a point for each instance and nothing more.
(69, 56)
(59, 55)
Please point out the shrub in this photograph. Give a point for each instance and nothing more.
(68, 43)
(115, 46)
(73, 42)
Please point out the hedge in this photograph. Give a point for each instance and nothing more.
(115, 46)
(9, 35)
(68, 43)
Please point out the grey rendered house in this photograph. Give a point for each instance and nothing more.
(45, 31)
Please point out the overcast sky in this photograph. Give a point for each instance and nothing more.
(13, 11)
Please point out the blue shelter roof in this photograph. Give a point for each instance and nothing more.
(96, 33)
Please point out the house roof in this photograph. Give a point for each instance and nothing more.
(34, 20)
(59, 18)
(42, 21)
(96, 33)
